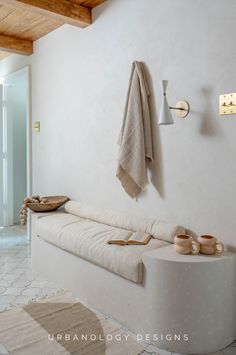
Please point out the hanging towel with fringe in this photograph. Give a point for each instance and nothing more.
(135, 139)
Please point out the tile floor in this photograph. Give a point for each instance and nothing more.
(19, 284)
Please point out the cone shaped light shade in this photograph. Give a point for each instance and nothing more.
(165, 114)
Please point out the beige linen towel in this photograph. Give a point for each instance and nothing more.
(136, 135)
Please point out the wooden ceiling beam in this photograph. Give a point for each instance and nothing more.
(89, 3)
(16, 45)
(61, 10)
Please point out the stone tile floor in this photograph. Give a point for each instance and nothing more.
(19, 284)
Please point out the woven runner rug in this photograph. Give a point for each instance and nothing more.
(62, 325)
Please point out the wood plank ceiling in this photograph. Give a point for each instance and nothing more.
(24, 21)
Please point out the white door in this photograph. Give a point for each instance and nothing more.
(6, 186)
(7, 157)
(1, 158)
(15, 145)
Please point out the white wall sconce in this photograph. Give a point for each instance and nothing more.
(182, 108)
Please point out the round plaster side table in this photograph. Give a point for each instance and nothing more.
(196, 300)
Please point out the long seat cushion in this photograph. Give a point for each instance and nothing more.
(88, 239)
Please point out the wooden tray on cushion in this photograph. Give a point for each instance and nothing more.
(52, 204)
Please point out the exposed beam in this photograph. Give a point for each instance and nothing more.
(89, 3)
(16, 45)
(62, 10)
(4, 54)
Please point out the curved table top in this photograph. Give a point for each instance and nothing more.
(168, 253)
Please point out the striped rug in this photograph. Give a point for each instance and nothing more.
(62, 325)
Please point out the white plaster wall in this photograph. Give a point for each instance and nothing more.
(80, 80)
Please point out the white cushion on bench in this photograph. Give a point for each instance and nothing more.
(159, 229)
(88, 240)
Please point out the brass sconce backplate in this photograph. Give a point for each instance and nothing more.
(182, 109)
(227, 104)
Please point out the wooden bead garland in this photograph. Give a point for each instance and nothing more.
(23, 211)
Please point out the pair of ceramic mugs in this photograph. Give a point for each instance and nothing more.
(206, 244)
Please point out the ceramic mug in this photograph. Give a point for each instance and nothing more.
(209, 245)
(184, 244)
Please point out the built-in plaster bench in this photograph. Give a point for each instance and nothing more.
(150, 289)
(88, 240)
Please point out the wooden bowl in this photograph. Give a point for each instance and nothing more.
(52, 204)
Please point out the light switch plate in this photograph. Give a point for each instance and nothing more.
(227, 104)
(37, 126)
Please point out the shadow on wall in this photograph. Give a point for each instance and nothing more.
(156, 168)
(209, 125)
(192, 234)
(231, 248)
(98, 10)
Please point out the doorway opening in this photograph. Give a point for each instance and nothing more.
(15, 147)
